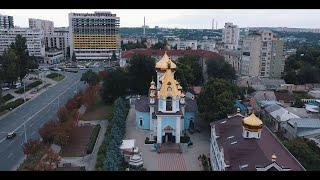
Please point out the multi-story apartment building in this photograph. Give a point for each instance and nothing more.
(6, 22)
(34, 37)
(59, 39)
(46, 26)
(94, 36)
(230, 36)
(262, 55)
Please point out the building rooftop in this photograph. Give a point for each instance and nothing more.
(247, 154)
(158, 52)
(264, 95)
(284, 96)
(282, 115)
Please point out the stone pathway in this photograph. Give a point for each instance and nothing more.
(171, 162)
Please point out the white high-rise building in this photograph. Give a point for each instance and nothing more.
(94, 36)
(34, 37)
(230, 36)
(6, 22)
(59, 39)
(46, 26)
(262, 55)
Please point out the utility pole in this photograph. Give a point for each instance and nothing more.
(25, 133)
(24, 89)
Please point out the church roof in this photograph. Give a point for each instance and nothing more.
(165, 63)
(169, 86)
(239, 151)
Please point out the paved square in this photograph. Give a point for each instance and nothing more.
(187, 161)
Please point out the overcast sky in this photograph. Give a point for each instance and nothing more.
(197, 19)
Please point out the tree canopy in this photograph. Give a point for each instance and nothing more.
(140, 72)
(216, 99)
(90, 77)
(217, 67)
(189, 71)
(114, 85)
(303, 67)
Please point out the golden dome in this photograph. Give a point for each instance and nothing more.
(169, 86)
(165, 63)
(252, 121)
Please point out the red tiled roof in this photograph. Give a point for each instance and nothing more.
(253, 152)
(158, 52)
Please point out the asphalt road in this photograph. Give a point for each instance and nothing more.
(35, 113)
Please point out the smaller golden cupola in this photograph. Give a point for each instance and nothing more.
(252, 126)
(153, 85)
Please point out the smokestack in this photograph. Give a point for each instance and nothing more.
(212, 24)
(144, 26)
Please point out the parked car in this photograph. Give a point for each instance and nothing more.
(11, 135)
(17, 85)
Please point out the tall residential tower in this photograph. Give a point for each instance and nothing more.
(6, 22)
(94, 36)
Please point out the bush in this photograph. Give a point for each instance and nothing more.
(53, 75)
(28, 87)
(184, 139)
(7, 97)
(93, 139)
(14, 104)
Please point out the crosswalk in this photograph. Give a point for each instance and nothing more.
(171, 162)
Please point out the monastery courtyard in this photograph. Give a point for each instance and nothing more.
(187, 161)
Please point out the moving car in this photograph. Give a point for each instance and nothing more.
(11, 135)
(5, 88)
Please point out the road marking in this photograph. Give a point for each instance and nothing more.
(11, 154)
(42, 109)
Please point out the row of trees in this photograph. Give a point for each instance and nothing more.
(131, 45)
(303, 67)
(16, 62)
(113, 158)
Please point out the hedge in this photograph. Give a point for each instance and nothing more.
(14, 104)
(7, 97)
(93, 139)
(28, 87)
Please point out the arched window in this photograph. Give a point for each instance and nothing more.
(169, 104)
(140, 121)
(247, 134)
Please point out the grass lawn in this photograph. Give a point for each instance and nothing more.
(98, 111)
(80, 137)
(56, 76)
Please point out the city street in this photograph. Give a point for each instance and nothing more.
(34, 114)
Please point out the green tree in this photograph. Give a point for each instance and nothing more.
(21, 51)
(141, 71)
(189, 71)
(217, 67)
(9, 61)
(90, 77)
(74, 59)
(114, 85)
(114, 56)
(306, 151)
(216, 99)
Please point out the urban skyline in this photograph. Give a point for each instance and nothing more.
(189, 19)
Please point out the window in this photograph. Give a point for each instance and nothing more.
(248, 134)
(169, 104)
(141, 122)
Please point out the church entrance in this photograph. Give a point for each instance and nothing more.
(168, 135)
